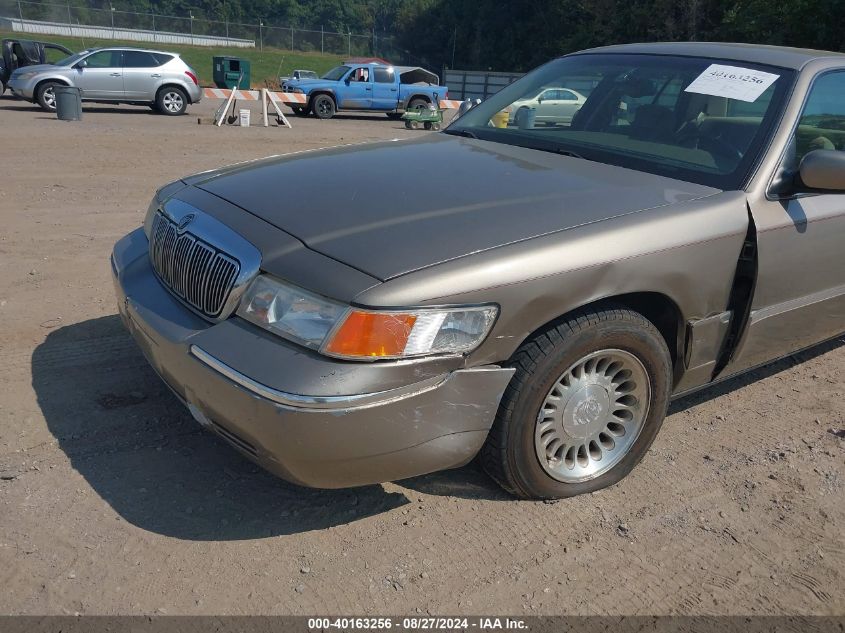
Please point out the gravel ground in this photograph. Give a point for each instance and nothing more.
(113, 501)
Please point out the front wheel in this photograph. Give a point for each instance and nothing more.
(585, 403)
(45, 95)
(171, 101)
(323, 107)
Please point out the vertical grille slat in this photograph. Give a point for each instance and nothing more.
(191, 269)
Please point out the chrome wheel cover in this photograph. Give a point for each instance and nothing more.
(50, 98)
(592, 415)
(173, 102)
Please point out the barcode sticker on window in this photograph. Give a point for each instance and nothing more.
(732, 82)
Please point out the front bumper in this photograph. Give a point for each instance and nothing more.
(327, 440)
(23, 89)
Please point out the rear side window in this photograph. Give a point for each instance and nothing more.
(143, 59)
(383, 76)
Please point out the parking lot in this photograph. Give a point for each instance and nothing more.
(113, 500)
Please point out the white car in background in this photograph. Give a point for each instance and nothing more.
(552, 105)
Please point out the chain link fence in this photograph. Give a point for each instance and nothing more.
(111, 23)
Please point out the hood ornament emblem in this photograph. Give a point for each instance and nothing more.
(184, 222)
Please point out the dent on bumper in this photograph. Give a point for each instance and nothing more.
(316, 440)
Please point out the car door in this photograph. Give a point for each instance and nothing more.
(569, 104)
(357, 93)
(385, 89)
(546, 105)
(799, 297)
(142, 74)
(101, 77)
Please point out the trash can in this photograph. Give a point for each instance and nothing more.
(68, 103)
(227, 70)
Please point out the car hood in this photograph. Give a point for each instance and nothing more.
(37, 68)
(393, 207)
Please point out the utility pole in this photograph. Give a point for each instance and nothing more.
(20, 11)
(322, 41)
(154, 26)
(454, 44)
(350, 43)
(112, 20)
(261, 34)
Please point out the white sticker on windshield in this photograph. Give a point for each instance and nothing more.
(732, 82)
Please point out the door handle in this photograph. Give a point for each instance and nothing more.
(367, 88)
(393, 90)
(156, 75)
(114, 74)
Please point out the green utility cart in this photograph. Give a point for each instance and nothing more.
(226, 71)
(430, 118)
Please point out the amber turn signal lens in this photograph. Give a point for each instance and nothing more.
(370, 334)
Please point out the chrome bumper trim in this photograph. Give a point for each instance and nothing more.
(317, 403)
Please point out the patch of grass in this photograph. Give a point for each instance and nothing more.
(267, 65)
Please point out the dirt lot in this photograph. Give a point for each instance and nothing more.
(112, 500)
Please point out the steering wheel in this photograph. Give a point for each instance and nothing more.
(714, 144)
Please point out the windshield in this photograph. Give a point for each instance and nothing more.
(336, 73)
(70, 61)
(695, 119)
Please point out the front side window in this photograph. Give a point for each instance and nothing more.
(104, 59)
(822, 123)
(696, 119)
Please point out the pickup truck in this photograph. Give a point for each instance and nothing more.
(370, 87)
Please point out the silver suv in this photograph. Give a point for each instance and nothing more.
(113, 75)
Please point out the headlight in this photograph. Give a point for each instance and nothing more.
(356, 334)
(291, 312)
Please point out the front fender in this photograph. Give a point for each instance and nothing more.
(687, 252)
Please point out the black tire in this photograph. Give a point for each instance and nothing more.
(171, 101)
(394, 116)
(435, 127)
(323, 107)
(427, 125)
(417, 104)
(520, 114)
(415, 125)
(509, 454)
(45, 97)
(2, 87)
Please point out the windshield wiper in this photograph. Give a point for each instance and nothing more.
(459, 132)
(556, 150)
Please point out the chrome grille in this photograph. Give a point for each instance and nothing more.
(193, 270)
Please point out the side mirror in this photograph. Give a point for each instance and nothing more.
(823, 169)
(81, 64)
(540, 99)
